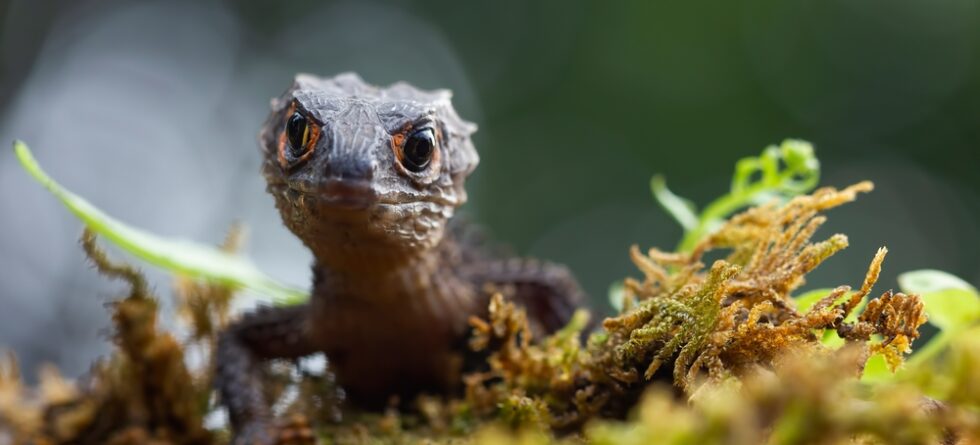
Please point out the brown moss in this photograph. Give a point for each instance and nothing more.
(204, 305)
(729, 320)
(20, 416)
(143, 393)
(804, 399)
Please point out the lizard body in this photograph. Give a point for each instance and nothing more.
(368, 178)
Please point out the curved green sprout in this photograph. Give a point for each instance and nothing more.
(785, 171)
(177, 255)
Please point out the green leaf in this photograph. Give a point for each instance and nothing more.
(929, 280)
(876, 370)
(950, 302)
(952, 309)
(831, 340)
(176, 255)
(953, 305)
(807, 299)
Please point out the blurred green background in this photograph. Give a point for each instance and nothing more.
(150, 109)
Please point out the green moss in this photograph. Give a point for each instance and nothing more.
(748, 362)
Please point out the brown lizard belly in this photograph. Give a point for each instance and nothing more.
(401, 345)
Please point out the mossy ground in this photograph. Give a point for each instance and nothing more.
(699, 354)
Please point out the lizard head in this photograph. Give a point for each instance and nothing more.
(362, 171)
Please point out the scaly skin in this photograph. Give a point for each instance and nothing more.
(368, 178)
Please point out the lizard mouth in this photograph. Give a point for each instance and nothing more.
(337, 193)
(359, 195)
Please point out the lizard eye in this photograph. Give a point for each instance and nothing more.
(298, 139)
(418, 149)
(299, 135)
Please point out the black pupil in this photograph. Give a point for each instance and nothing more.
(418, 149)
(296, 132)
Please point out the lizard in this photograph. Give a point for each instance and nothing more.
(369, 179)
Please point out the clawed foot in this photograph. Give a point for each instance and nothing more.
(295, 430)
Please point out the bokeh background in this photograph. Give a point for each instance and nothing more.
(150, 109)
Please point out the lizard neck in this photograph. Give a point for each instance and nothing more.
(393, 327)
(419, 283)
(369, 263)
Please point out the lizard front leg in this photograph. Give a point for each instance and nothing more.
(548, 291)
(269, 332)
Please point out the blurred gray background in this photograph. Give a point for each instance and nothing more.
(150, 109)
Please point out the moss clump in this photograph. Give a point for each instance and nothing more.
(710, 324)
(800, 401)
(803, 399)
(143, 393)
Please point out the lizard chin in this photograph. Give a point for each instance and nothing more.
(338, 194)
(349, 223)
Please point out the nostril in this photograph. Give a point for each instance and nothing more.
(351, 168)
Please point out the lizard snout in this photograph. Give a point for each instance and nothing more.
(353, 151)
(349, 166)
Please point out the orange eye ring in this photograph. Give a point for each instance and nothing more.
(417, 150)
(298, 138)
